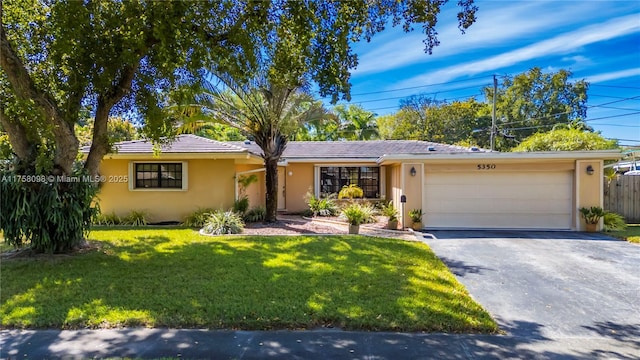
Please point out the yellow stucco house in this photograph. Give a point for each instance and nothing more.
(456, 187)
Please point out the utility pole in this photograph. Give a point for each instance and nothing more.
(493, 114)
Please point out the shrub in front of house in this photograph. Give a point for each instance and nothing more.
(325, 206)
(359, 213)
(351, 192)
(198, 218)
(241, 205)
(223, 222)
(107, 219)
(613, 222)
(256, 214)
(136, 218)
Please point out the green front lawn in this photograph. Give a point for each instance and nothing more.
(177, 278)
(632, 234)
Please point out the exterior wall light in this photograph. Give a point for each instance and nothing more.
(413, 171)
(590, 170)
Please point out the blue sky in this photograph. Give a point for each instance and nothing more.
(598, 41)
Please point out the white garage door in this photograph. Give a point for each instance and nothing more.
(498, 200)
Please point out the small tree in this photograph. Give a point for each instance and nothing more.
(566, 140)
(267, 112)
(350, 192)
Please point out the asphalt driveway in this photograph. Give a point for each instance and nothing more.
(572, 289)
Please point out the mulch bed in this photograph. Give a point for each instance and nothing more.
(294, 224)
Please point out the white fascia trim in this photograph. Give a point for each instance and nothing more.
(550, 155)
(323, 161)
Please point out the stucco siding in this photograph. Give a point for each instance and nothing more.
(210, 183)
(299, 181)
(589, 188)
(256, 191)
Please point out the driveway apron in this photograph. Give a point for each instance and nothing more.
(550, 285)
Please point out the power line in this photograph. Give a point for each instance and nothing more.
(638, 141)
(418, 87)
(608, 96)
(620, 125)
(617, 108)
(547, 125)
(613, 116)
(617, 86)
(404, 97)
(444, 100)
(567, 112)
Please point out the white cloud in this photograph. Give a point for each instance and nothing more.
(498, 23)
(613, 75)
(561, 44)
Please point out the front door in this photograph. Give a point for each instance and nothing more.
(282, 188)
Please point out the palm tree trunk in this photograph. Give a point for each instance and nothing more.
(271, 175)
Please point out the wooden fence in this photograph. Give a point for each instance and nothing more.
(622, 196)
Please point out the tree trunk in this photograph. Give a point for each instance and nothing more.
(100, 140)
(271, 175)
(18, 139)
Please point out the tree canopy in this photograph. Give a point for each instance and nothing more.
(527, 103)
(59, 58)
(535, 101)
(570, 139)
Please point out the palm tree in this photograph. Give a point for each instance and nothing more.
(268, 113)
(356, 123)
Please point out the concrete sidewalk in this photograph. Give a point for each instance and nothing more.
(325, 344)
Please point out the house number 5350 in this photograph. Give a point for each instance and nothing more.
(486, 166)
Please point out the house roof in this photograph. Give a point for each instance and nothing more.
(381, 151)
(372, 149)
(185, 143)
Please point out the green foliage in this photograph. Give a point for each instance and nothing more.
(321, 128)
(355, 123)
(241, 205)
(256, 214)
(592, 215)
(5, 147)
(565, 140)
(416, 215)
(136, 218)
(198, 218)
(526, 103)
(359, 213)
(354, 214)
(118, 130)
(66, 59)
(389, 211)
(52, 217)
(223, 222)
(351, 191)
(536, 101)
(422, 118)
(613, 222)
(325, 206)
(107, 219)
(370, 212)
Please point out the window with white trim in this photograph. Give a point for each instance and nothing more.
(333, 178)
(158, 175)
